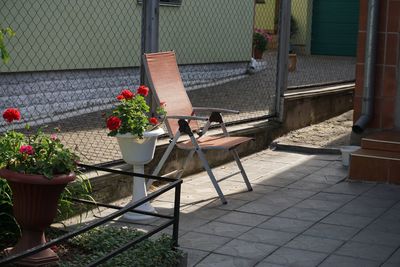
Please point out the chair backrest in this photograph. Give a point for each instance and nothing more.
(167, 86)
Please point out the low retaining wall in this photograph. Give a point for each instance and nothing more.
(301, 108)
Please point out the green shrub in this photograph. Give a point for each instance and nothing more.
(98, 242)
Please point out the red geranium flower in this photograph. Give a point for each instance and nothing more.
(163, 104)
(113, 123)
(11, 114)
(120, 97)
(143, 90)
(127, 94)
(26, 149)
(153, 120)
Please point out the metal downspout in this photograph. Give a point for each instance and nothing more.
(369, 67)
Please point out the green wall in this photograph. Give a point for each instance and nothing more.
(265, 15)
(301, 12)
(203, 31)
(82, 34)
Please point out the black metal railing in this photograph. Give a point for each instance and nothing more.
(171, 220)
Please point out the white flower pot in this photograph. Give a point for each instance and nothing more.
(137, 150)
(346, 151)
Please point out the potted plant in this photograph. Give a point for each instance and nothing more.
(136, 131)
(6, 32)
(37, 168)
(260, 41)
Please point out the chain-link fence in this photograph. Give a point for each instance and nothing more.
(323, 39)
(70, 58)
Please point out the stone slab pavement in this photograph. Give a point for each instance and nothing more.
(302, 212)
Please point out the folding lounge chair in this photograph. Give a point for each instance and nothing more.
(166, 85)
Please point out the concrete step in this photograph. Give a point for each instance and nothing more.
(375, 165)
(385, 141)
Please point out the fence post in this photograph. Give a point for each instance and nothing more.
(149, 37)
(283, 54)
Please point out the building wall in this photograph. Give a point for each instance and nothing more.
(82, 34)
(387, 65)
(265, 18)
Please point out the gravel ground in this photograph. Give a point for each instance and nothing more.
(331, 133)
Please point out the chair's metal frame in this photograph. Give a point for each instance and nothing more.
(184, 128)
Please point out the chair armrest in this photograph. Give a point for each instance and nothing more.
(177, 117)
(220, 110)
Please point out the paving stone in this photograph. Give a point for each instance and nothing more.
(278, 199)
(347, 220)
(395, 258)
(389, 264)
(273, 237)
(274, 181)
(231, 205)
(291, 175)
(327, 157)
(218, 260)
(204, 213)
(317, 244)
(343, 261)
(246, 195)
(349, 188)
(340, 198)
(295, 193)
(222, 229)
(317, 163)
(324, 179)
(392, 214)
(381, 225)
(194, 256)
(304, 214)
(373, 202)
(268, 264)
(187, 222)
(380, 238)
(384, 191)
(319, 204)
(263, 189)
(202, 241)
(366, 251)
(245, 249)
(340, 172)
(305, 185)
(262, 208)
(286, 225)
(361, 210)
(306, 169)
(295, 257)
(336, 232)
(249, 219)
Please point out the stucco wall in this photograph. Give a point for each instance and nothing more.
(265, 18)
(81, 34)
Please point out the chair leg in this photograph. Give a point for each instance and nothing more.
(211, 175)
(239, 163)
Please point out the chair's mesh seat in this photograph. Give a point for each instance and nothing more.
(215, 142)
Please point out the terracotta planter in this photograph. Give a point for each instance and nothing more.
(257, 54)
(35, 200)
(292, 62)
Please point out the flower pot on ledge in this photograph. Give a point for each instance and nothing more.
(257, 53)
(35, 201)
(137, 152)
(292, 62)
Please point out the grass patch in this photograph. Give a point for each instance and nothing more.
(96, 243)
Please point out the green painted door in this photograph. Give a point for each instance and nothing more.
(335, 27)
